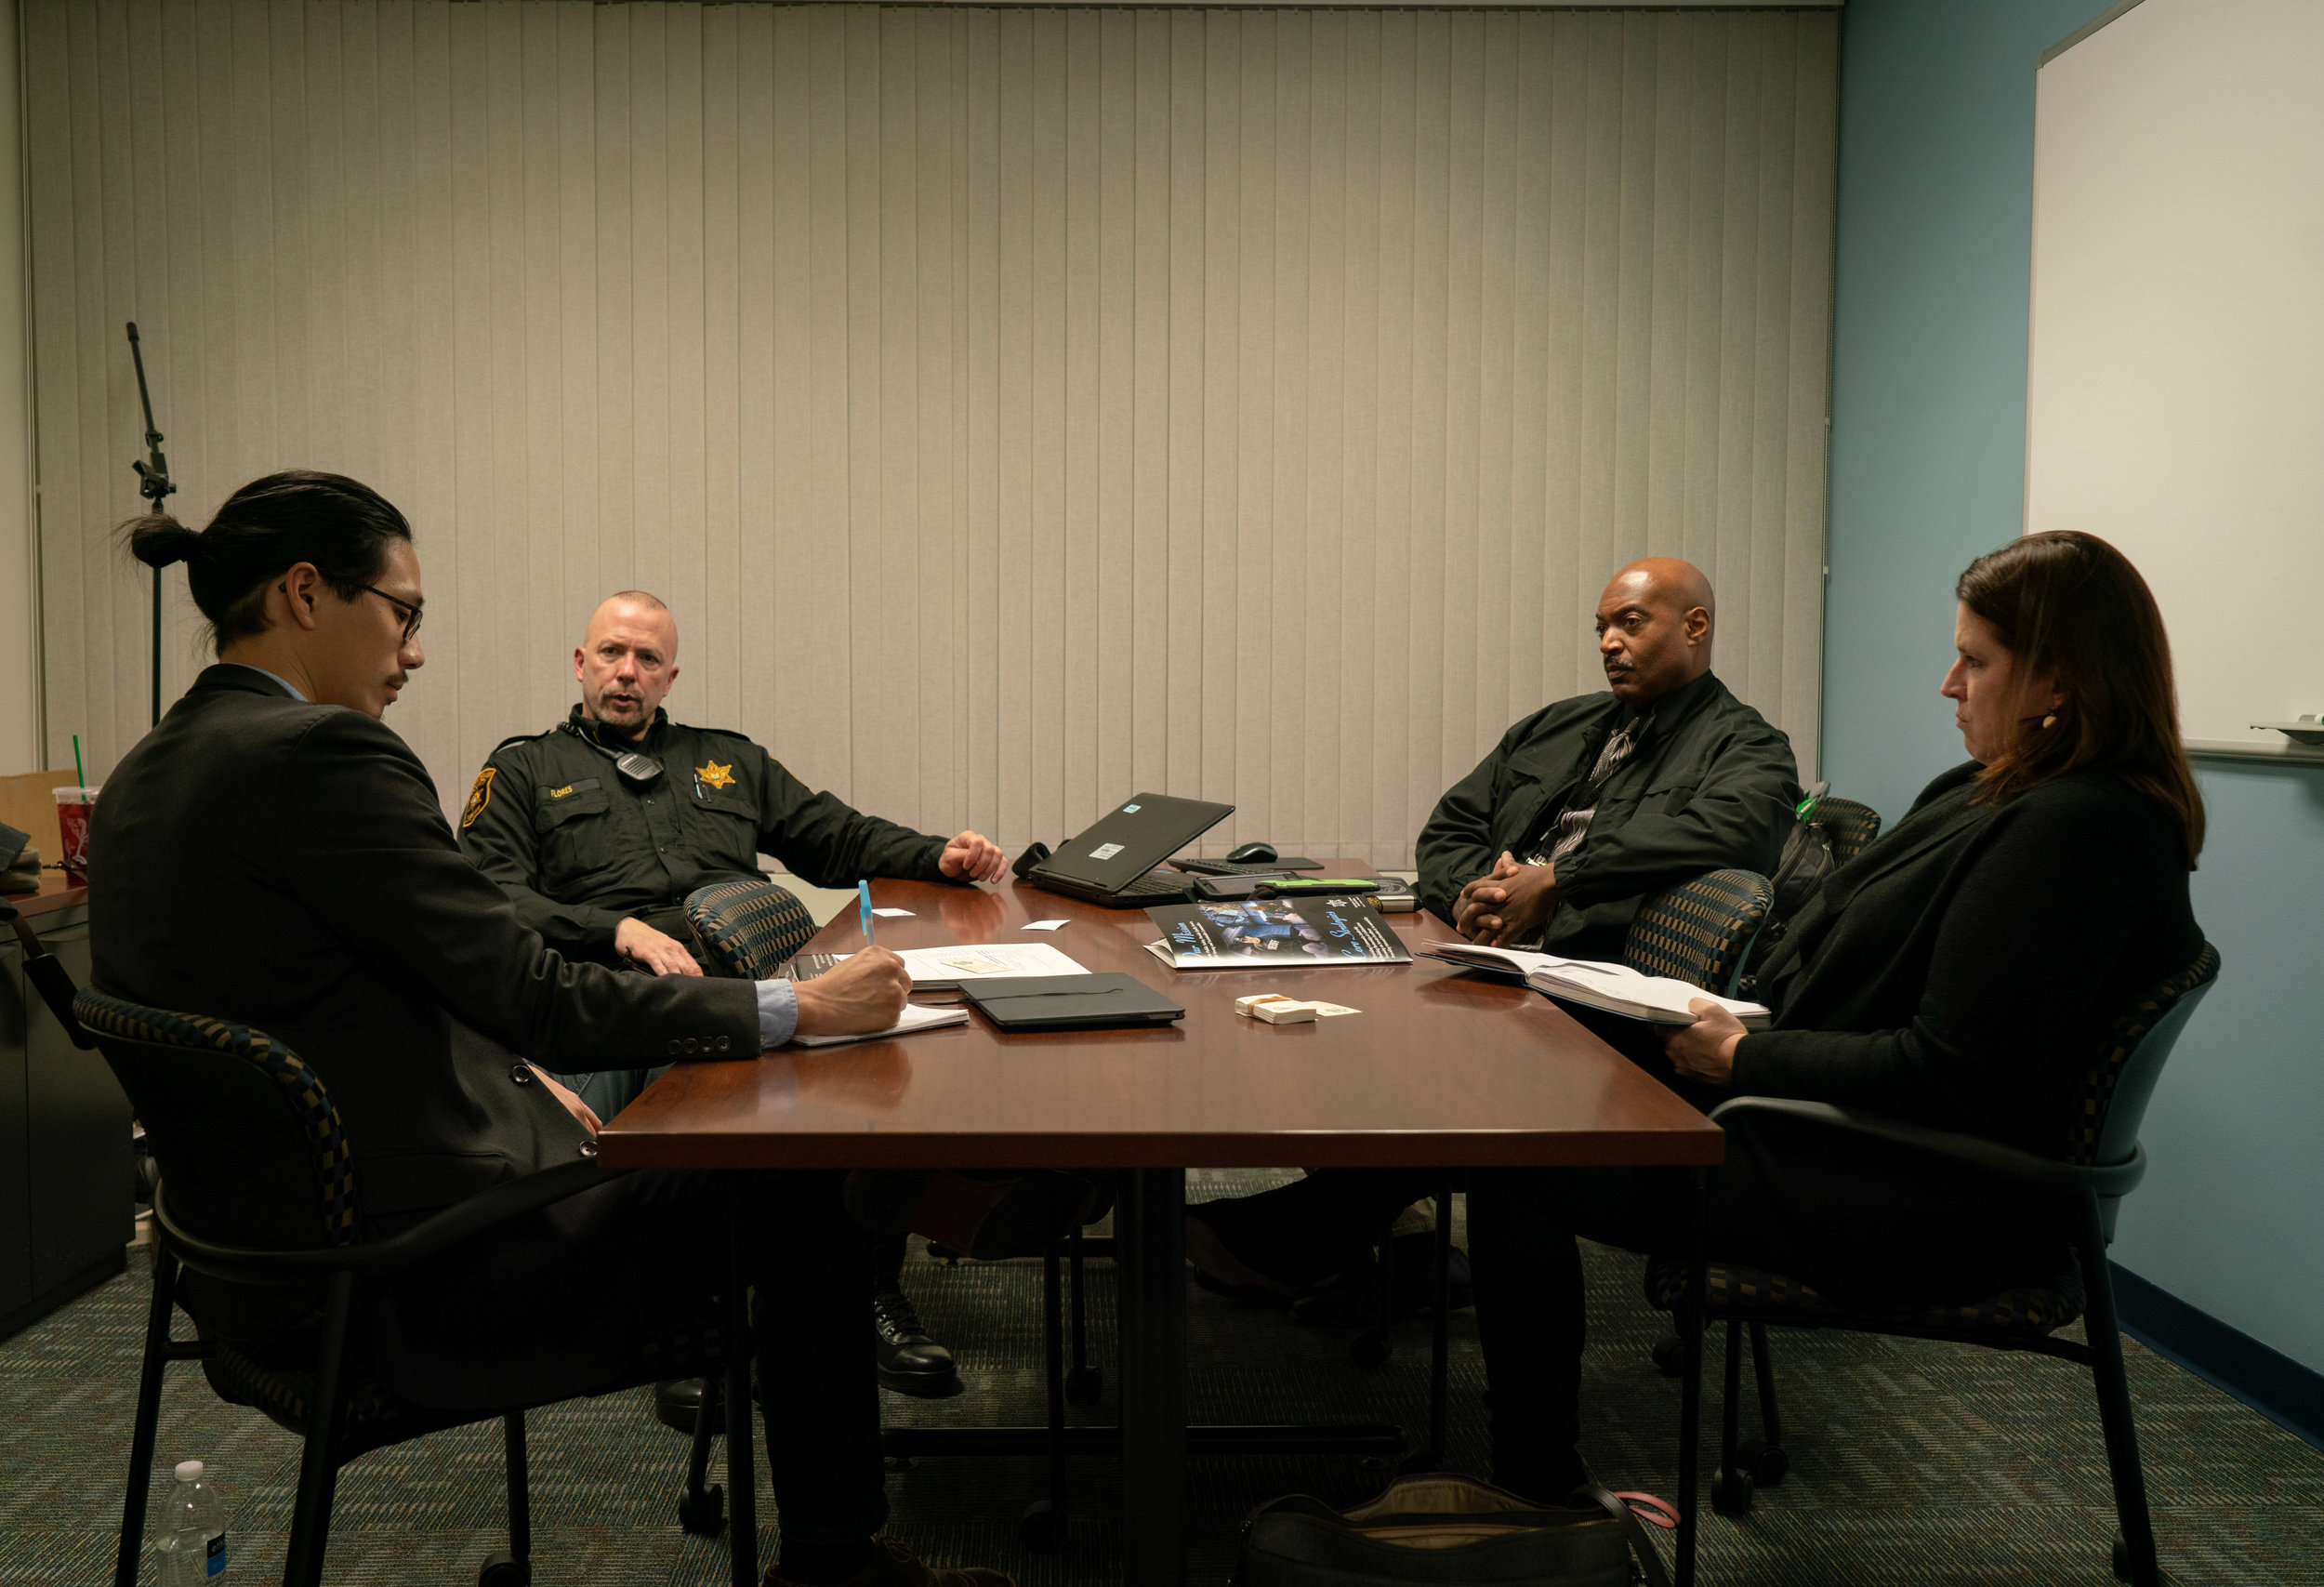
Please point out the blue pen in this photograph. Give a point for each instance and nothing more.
(862, 893)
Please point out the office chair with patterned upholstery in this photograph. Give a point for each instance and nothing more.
(1700, 930)
(2100, 1162)
(1850, 827)
(749, 929)
(235, 1119)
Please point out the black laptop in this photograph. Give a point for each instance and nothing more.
(1113, 862)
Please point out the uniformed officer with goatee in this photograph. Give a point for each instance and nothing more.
(600, 826)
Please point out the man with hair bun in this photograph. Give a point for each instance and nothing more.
(276, 856)
(598, 853)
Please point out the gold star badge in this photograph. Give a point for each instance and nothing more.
(718, 776)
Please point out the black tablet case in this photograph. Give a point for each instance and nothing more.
(1056, 1002)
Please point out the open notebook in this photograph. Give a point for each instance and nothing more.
(1615, 989)
(915, 1018)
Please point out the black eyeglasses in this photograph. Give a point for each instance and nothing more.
(411, 615)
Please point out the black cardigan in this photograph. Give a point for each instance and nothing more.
(1958, 972)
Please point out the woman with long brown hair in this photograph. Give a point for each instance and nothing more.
(1954, 974)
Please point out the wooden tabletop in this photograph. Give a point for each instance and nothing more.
(56, 891)
(1442, 1069)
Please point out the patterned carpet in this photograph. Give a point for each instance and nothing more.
(1911, 1462)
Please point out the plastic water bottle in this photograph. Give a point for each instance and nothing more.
(193, 1543)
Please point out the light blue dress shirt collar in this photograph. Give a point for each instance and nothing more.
(262, 673)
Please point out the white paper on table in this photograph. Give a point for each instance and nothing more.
(939, 969)
(891, 912)
(980, 961)
(915, 1018)
(1043, 925)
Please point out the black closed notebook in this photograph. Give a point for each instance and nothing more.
(1060, 1002)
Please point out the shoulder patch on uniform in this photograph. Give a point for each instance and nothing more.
(479, 796)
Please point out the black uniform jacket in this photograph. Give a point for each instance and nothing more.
(287, 866)
(1958, 971)
(1709, 786)
(579, 847)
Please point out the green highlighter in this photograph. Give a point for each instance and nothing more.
(1314, 886)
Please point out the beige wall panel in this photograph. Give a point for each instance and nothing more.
(1021, 407)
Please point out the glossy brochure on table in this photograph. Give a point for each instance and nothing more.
(1274, 934)
(1615, 988)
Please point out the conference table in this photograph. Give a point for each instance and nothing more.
(1440, 1068)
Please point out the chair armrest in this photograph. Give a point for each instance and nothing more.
(380, 1259)
(48, 977)
(2020, 1167)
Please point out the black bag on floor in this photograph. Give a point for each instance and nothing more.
(1443, 1530)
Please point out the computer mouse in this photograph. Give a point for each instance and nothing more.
(1253, 855)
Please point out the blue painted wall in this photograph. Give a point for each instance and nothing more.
(1933, 250)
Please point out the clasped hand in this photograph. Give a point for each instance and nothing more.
(1508, 904)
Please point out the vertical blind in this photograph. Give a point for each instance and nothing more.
(1018, 408)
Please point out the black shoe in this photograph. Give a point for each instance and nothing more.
(910, 1361)
(676, 1399)
(679, 1401)
(1352, 1299)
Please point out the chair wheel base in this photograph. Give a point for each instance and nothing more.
(1767, 1463)
(1731, 1495)
(1041, 1527)
(1084, 1385)
(706, 1517)
(504, 1570)
(1370, 1349)
(1670, 1355)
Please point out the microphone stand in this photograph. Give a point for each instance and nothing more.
(153, 484)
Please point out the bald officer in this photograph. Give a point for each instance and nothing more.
(1580, 811)
(600, 826)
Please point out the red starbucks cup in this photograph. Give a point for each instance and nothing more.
(73, 808)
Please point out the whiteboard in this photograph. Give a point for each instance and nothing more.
(2176, 382)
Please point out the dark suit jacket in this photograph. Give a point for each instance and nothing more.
(287, 866)
(1710, 784)
(1960, 970)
